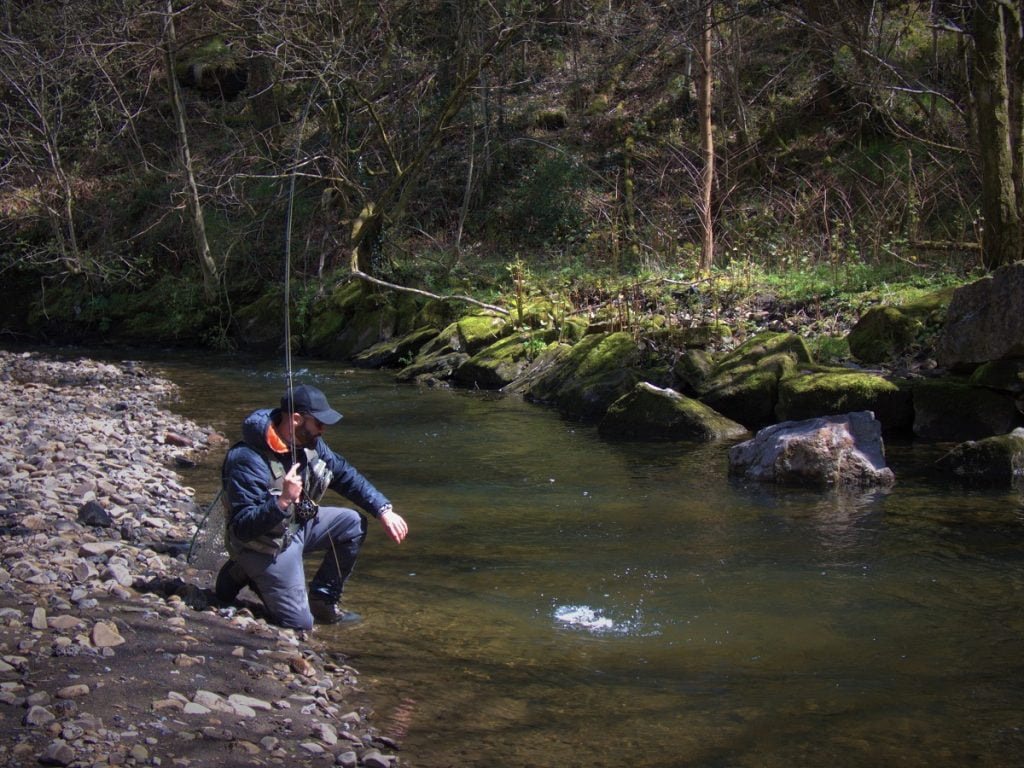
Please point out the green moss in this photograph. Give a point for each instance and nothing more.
(477, 331)
(764, 345)
(396, 351)
(1007, 375)
(883, 333)
(504, 361)
(929, 307)
(651, 412)
(693, 368)
(843, 391)
(259, 326)
(597, 371)
(744, 385)
(998, 459)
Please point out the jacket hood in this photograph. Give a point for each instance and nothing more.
(254, 428)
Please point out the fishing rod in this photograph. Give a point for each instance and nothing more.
(289, 216)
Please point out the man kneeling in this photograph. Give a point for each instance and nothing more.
(273, 482)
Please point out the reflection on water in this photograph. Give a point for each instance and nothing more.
(563, 601)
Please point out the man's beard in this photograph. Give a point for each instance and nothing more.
(304, 438)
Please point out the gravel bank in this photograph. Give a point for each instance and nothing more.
(112, 650)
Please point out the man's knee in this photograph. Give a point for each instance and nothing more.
(289, 607)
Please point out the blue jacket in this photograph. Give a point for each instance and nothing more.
(253, 518)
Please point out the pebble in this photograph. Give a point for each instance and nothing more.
(57, 753)
(105, 635)
(73, 691)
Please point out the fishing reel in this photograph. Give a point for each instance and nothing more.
(306, 509)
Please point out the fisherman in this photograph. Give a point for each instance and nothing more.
(273, 481)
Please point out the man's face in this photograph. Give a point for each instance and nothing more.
(308, 431)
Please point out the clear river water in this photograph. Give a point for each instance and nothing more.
(566, 601)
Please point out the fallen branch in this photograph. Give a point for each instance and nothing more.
(360, 275)
(944, 245)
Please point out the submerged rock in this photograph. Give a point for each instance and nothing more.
(652, 412)
(830, 451)
(998, 459)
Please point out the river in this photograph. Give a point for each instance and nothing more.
(566, 601)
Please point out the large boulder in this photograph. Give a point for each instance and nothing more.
(396, 351)
(259, 327)
(985, 320)
(468, 334)
(501, 363)
(998, 459)
(883, 333)
(692, 370)
(549, 359)
(888, 332)
(432, 370)
(842, 450)
(950, 409)
(597, 371)
(842, 391)
(1004, 375)
(744, 385)
(652, 412)
(349, 320)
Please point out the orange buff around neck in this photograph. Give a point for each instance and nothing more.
(274, 441)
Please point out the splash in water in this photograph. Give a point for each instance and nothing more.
(584, 617)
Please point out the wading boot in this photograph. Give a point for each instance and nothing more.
(325, 609)
(230, 581)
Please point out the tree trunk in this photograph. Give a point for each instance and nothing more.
(211, 277)
(998, 121)
(707, 251)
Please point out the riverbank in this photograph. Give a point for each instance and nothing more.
(112, 650)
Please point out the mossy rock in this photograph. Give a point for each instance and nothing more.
(537, 313)
(407, 313)
(438, 314)
(748, 397)
(692, 369)
(652, 412)
(259, 327)
(931, 307)
(883, 333)
(330, 315)
(436, 367)
(598, 371)
(573, 329)
(396, 351)
(950, 409)
(478, 331)
(550, 358)
(503, 362)
(761, 346)
(1005, 375)
(349, 321)
(445, 341)
(744, 385)
(994, 460)
(842, 391)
